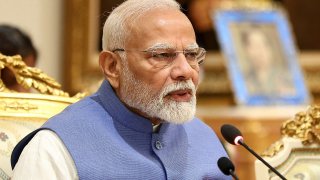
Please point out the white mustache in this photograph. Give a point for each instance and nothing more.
(181, 85)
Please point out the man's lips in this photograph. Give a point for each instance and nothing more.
(181, 95)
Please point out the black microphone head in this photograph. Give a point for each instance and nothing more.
(231, 134)
(225, 165)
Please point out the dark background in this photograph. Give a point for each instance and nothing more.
(303, 16)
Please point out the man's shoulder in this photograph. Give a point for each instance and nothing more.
(88, 105)
(85, 109)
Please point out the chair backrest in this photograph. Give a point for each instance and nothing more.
(297, 154)
(21, 113)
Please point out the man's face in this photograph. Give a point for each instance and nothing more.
(147, 86)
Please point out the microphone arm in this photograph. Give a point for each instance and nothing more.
(233, 174)
(261, 159)
(234, 136)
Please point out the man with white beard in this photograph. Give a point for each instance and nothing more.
(140, 124)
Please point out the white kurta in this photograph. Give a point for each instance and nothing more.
(45, 157)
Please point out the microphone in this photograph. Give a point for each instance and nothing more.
(227, 167)
(234, 136)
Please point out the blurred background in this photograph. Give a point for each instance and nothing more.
(67, 36)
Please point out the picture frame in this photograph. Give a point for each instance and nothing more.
(261, 57)
(81, 52)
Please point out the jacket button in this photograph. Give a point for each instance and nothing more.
(158, 145)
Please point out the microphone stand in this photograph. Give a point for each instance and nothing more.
(233, 174)
(262, 160)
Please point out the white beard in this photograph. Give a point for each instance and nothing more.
(139, 95)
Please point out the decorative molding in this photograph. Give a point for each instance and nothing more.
(30, 77)
(273, 149)
(305, 126)
(15, 105)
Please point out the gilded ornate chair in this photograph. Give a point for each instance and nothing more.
(297, 154)
(21, 113)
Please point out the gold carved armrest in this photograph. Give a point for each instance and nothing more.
(305, 126)
(21, 114)
(30, 77)
(297, 154)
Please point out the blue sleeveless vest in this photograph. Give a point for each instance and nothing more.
(108, 141)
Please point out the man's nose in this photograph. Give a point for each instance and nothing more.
(181, 69)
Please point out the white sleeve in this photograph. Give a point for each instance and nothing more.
(45, 157)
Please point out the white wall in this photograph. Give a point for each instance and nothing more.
(43, 21)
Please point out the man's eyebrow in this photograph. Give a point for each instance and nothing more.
(159, 46)
(192, 46)
(168, 46)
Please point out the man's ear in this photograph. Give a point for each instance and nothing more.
(110, 66)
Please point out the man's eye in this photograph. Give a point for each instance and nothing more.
(164, 55)
(191, 55)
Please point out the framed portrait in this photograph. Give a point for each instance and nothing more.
(261, 57)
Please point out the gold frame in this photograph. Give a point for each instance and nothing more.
(81, 57)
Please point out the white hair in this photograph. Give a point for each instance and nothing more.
(116, 27)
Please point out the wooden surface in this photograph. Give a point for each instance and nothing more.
(260, 127)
